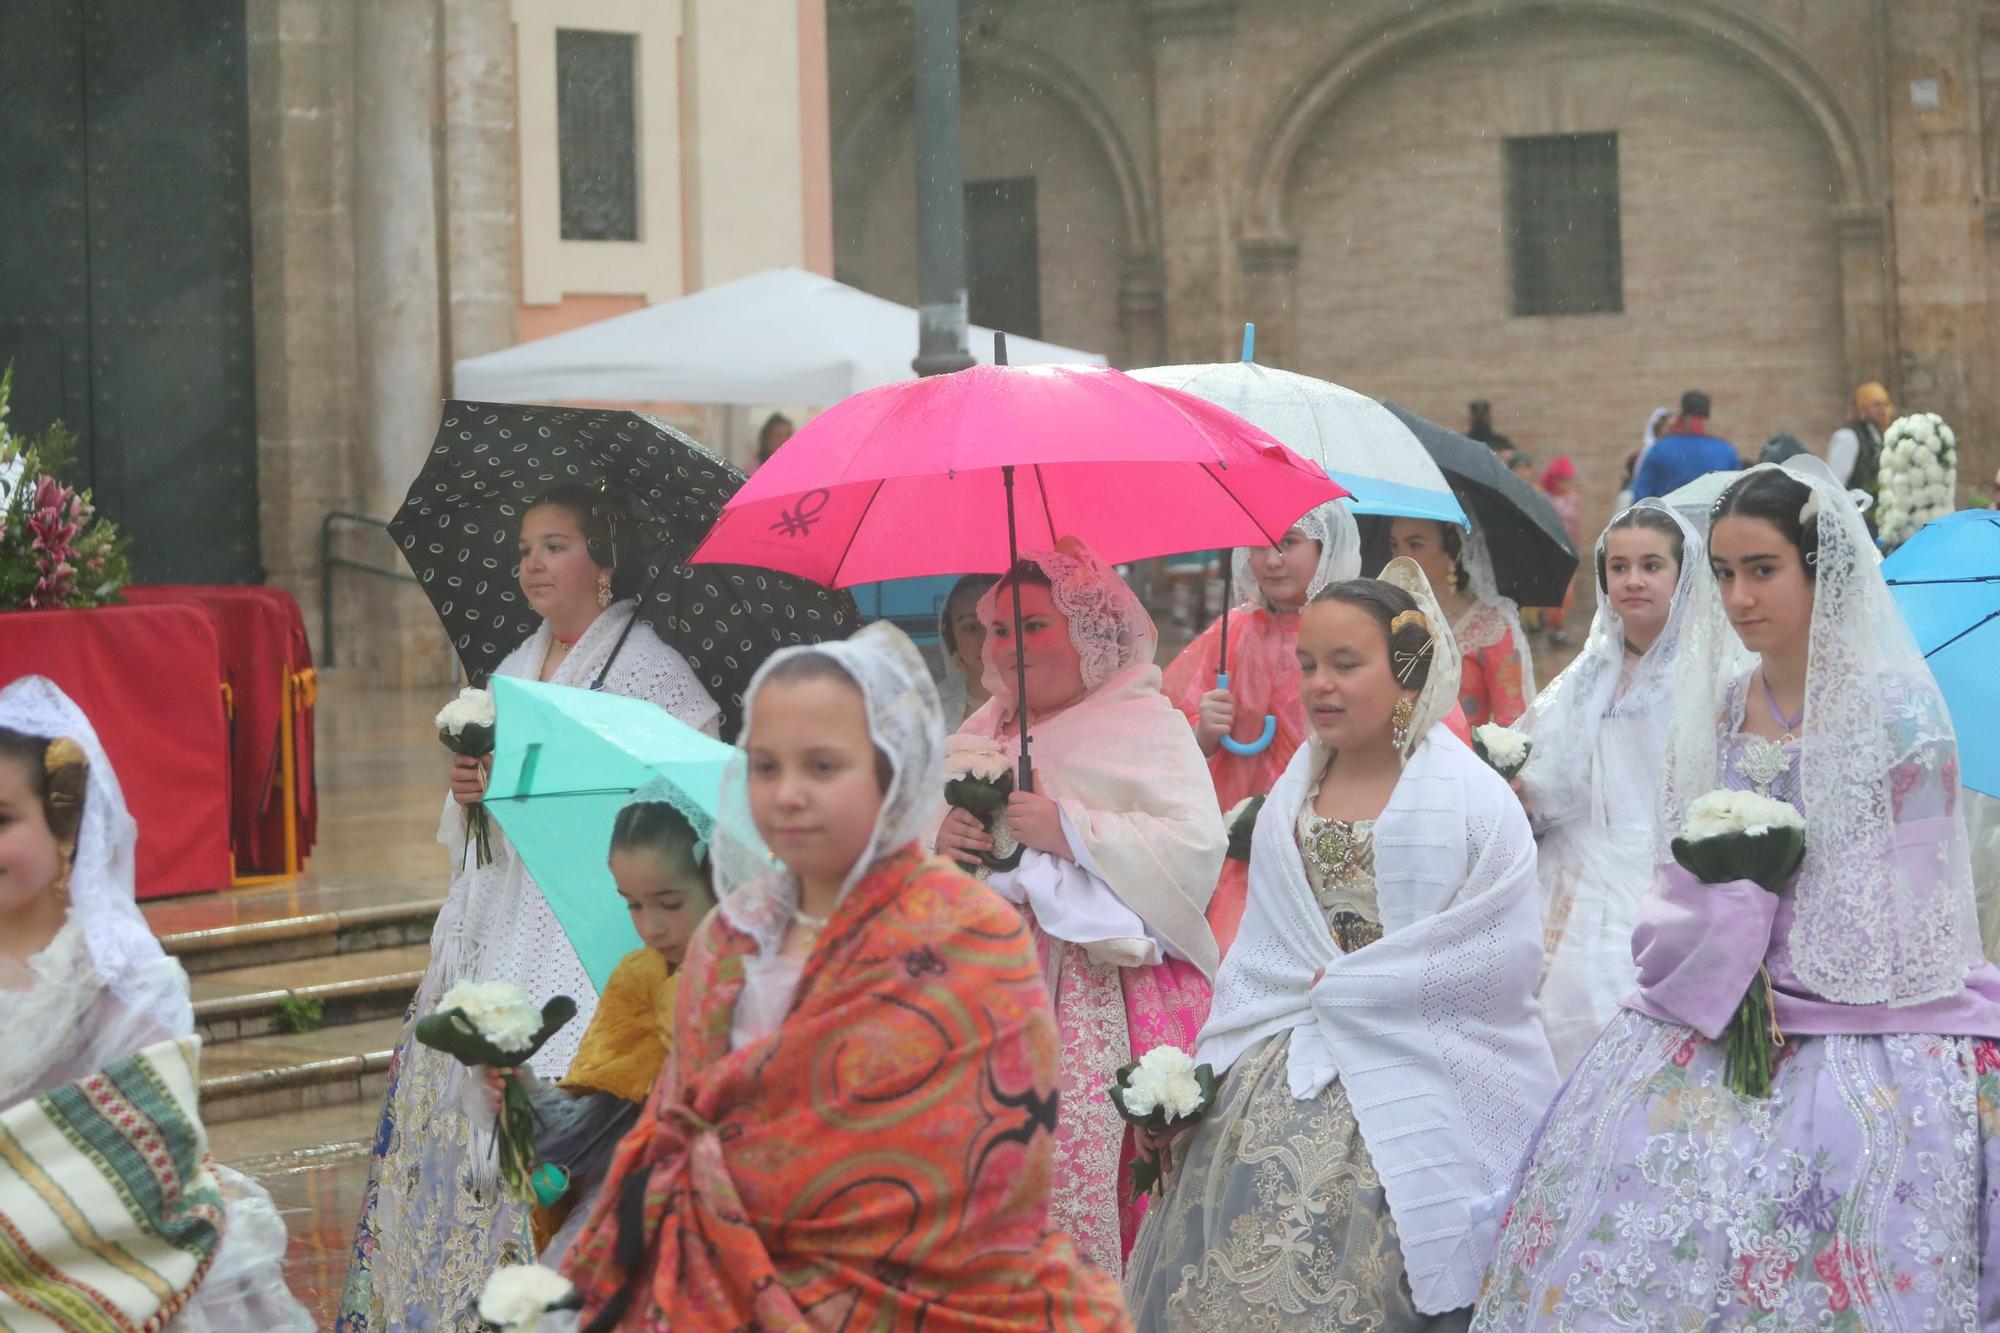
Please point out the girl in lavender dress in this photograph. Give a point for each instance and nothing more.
(1861, 1193)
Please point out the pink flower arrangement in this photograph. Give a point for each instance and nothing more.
(54, 549)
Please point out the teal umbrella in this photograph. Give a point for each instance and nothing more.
(565, 761)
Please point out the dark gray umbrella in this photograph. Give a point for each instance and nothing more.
(458, 526)
(1533, 557)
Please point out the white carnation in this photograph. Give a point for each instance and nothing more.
(472, 708)
(1505, 747)
(1718, 813)
(520, 1294)
(972, 758)
(1165, 1080)
(504, 1013)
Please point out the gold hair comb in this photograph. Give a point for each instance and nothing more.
(1413, 616)
(62, 753)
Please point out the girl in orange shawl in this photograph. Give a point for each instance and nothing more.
(854, 1126)
(1276, 582)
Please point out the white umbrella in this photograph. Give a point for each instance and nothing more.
(781, 336)
(1360, 443)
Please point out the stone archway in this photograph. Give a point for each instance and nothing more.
(1385, 230)
(1309, 102)
(1104, 273)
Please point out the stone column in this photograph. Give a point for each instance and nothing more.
(1864, 296)
(301, 112)
(398, 305)
(481, 223)
(1142, 311)
(1941, 316)
(1193, 75)
(1269, 267)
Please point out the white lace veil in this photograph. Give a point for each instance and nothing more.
(662, 792)
(1440, 692)
(906, 726)
(1565, 717)
(1478, 561)
(1110, 629)
(1877, 921)
(102, 893)
(1339, 538)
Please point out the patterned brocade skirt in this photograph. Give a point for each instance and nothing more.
(1273, 1219)
(1860, 1195)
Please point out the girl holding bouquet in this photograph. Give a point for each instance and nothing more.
(434, 1221)
(1860, 1185)
(1123, 846)
(659, 862)
(1592, 780)
(854, 1127)
(1381, 1057)
(85, 988)
(1276, 582)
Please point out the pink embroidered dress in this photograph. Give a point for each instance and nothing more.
(1126, 951)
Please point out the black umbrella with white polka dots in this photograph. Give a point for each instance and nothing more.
(461, 519)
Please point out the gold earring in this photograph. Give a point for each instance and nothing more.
(1399, 721)
(61, 885)
(603, 588)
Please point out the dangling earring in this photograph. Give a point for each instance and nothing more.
(1399, 721)
(603, 588)
(61, 885)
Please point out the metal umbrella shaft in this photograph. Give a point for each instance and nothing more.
(1230, 743)
(1027, 775)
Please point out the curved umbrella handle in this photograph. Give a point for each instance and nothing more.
(1258, 746)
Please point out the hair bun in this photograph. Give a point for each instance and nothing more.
(66, 768)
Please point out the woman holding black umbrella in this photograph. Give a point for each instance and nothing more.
(435, 1222)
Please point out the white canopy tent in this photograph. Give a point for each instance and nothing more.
(781, 336)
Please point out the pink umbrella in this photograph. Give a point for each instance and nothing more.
(955, 473)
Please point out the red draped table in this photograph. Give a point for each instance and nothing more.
(267, 665)
(150, 678)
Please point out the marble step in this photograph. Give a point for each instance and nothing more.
(245, 1002)
(312, 935)
(290, 1072)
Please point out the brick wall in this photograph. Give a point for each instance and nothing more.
(1012, 129)
(1731, 271)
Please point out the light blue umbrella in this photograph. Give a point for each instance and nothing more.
(565, 761)
(1946, 579)
(1362, 445)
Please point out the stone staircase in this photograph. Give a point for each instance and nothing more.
(299, 1014)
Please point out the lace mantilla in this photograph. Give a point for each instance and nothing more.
(906, 724)
(1108, 626)
(1882, 917)
(102, 893)
(1339, 538)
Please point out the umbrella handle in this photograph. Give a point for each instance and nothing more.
(1258, 746)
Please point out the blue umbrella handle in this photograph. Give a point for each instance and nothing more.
(1258, 746)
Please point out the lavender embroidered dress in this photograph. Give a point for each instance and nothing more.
(1863, 1194)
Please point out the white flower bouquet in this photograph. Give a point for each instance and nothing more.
(1917, 479)
(1504, 749)
(979, 777)
(465, 725)
(1732, 835)
(494, 1024)
(517, 1296)
(1241, 821)
(1161, 1087)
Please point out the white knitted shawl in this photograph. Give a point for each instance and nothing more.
(1433, 1030)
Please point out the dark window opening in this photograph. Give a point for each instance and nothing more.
(1003, 259)
(1562, 225)
(597, 135)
